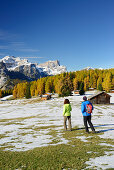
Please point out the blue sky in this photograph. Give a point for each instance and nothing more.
(78, 33)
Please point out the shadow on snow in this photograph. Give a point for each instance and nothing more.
(100, 131)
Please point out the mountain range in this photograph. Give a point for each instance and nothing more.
(91, 68)
(15, 68)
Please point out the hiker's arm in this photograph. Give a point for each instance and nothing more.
(70, 108)
(82, 108)
(63, 110)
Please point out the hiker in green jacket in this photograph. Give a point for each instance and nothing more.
(67, 114)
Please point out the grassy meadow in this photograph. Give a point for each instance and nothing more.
(32, 136)
(72, 155)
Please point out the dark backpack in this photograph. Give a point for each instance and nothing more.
(88, 108)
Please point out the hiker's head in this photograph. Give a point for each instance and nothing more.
(66, 101)
(84, 98)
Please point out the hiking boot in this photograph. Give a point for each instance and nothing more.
(93, 131)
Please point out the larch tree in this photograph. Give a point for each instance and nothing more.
(33, 88)
(49, 85)
(40, 86)
(0, 93)
(99, 84)
(107, 82)
(15, 91)
(86, 83)
(75, 83)
(65, 86)
(112, 83)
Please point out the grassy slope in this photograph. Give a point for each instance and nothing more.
(72, 155)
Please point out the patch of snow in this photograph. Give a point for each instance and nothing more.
(83, 138)
(6, 97)
(105, 144)
(102, 162)
(22, 124)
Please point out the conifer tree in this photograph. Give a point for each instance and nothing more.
(91, 72)
(0, 93)
(81, 92)
(49, 85)
(20, 88)
(28, 93)
(71, 75)
(75, 83)
(94, 84)
(86, 83)
(15, 91)
(112, 83)
(33, 88)
(65, 87)
(107, 82)
(56, 83)
(40, 86)
(99, 84)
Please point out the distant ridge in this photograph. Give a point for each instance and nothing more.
(15, 68)
(91, 68)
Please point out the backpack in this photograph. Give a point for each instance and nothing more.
(88, 108)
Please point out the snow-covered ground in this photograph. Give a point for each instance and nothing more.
(25, 124)
(6, 98)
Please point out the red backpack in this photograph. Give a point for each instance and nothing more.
(88, 108)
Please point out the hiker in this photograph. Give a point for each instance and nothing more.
(86, 108)
(67, 114)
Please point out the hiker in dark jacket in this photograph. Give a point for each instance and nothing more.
(86, 115)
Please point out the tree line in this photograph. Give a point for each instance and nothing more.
(65, 83)
(10, 83)
(4, 93)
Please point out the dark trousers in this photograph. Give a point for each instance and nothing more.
(69, 122)
(87, 120)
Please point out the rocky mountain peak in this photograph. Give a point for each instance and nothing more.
(16, 68)
(12, 61)
(50, 64)
(3, 74)
(52, 67)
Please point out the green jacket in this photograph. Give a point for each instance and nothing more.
(66, 110)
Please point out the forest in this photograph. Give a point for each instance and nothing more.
(65, 83)
(5, 92)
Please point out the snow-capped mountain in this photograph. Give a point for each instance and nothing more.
(17, 68)
(52, 67)
(49, 68)
(12, 62)
(91, 68)
(88, 68)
